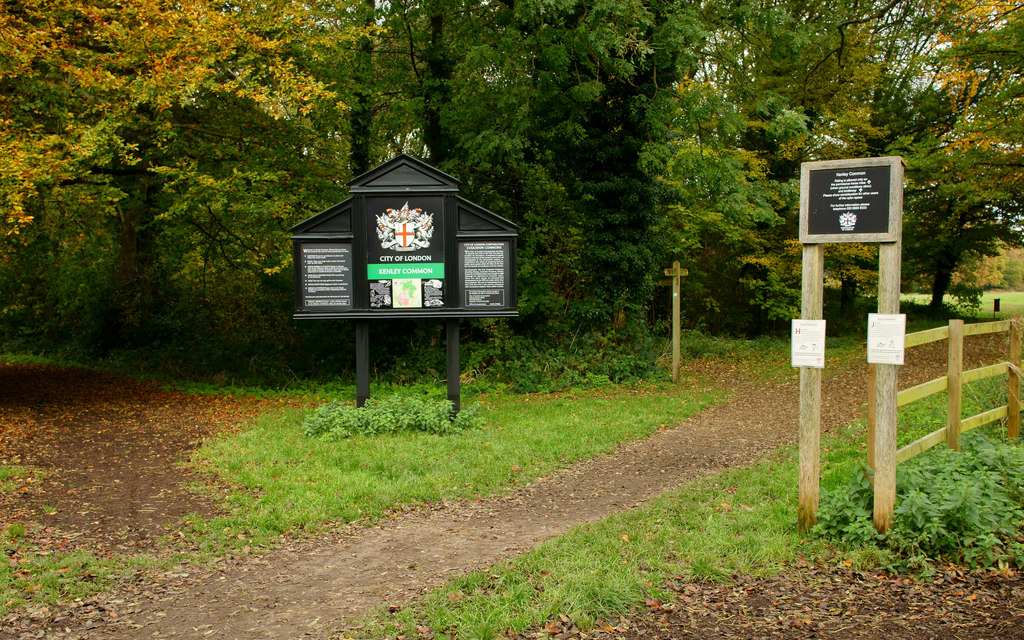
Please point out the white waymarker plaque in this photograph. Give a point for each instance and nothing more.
(886, 337)
(808, 344)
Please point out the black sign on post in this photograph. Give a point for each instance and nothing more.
(851, 200)
(855, 200)
(405, 244)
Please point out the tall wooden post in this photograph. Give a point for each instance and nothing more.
(885, 391)
(1013, 401)
(810, 392)
(872, 414)
(675, 272)
(954, 386)
(857, 200)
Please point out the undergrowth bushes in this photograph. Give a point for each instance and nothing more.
(388, 415)
(963, 507)
(590, 360)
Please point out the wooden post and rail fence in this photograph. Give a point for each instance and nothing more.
(953, 383)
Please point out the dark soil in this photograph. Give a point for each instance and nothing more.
(108, 450)
(106, 453)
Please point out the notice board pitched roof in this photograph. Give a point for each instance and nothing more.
(336, 220)
(404, 172)
(474, 219)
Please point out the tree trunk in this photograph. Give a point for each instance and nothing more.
(847, 294)
(361, 116)
(133, 295)
(946, 262)
(945, 265)
(437, 92)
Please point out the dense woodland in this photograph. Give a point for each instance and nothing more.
(153, 155)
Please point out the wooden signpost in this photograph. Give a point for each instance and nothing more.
(857, 200)
(675, 273)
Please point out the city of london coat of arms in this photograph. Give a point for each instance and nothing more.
(405, 229)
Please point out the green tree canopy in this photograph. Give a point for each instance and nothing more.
(152, 157)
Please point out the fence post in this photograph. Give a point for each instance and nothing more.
(954, 410)
(872, 414)
(887, 382)
(1013, 395)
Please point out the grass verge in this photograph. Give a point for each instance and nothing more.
(284, 481)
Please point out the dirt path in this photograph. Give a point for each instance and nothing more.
(808, 601)
(308, 591)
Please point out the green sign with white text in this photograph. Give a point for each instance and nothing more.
(422, 271)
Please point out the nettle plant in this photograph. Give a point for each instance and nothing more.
(395, 413)
(963, 507)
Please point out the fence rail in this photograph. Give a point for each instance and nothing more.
(924, 337)
(981, 328)
(953, 383)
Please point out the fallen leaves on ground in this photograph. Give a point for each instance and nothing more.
(815, 601)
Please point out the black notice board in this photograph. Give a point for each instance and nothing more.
(405, 244)
(485, 267)
(851, 200)
(854, 200)
(325, 276)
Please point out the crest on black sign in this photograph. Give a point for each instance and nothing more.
(405, 229)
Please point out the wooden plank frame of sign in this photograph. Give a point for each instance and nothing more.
(856, 200)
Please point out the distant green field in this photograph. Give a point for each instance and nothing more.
(1011, 303)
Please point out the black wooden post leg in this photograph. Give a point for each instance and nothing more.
(362, 362)
(454, 390)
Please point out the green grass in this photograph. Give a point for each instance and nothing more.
(30, 576)
(924, 416)
(285, 481)
(10, 473)
(1011, 303)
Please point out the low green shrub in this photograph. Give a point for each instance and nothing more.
(586, 360)
(965, 507)
(388, 415)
